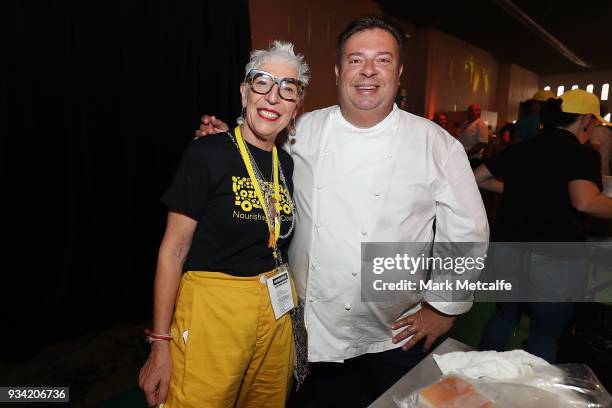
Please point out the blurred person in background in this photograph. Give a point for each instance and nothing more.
(474, 135)
(440, 119)
(548, 181)
(499, 141)
(529, 124)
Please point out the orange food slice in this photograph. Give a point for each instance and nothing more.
(452, 392)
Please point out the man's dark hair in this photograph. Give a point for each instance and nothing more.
(551, 114)
(369, 22)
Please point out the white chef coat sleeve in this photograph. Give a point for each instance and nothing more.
(460, 217)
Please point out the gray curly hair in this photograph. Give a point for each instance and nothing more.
(280, 50)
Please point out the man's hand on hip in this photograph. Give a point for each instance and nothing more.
(211, 125)
(427, 323)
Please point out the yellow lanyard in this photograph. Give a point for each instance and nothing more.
(270, 218)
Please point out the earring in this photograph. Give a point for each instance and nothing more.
(240, 119)
(292, 127)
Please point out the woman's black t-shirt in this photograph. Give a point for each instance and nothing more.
(213, 187)
(536, 205)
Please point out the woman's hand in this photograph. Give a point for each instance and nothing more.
(154, 376)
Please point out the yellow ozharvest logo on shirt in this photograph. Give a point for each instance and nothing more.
(246, 198)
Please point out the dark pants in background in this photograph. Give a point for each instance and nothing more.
(548, 322)
(358, 381)
(544, 282)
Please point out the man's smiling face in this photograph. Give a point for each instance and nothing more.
(368, 78)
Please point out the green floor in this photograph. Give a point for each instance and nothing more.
(133, 398)
(467, 329)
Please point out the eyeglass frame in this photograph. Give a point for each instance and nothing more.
(248, 79)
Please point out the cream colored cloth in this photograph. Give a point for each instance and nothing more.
(490, 365)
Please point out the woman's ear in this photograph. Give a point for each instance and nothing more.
(587, 120)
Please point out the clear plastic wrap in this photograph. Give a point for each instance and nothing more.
(563, 386)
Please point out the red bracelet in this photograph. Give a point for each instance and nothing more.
(151, 337)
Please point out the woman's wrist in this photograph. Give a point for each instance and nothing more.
(160, 345)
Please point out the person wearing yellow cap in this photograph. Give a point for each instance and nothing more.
(528, 124)
(543, 95)
(548, 181)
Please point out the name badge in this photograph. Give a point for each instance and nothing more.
(281, 296)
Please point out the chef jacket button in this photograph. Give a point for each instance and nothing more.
(325, 151)
(319, 186)
(354, 273)
(389, 155)
(364, 233)
(317, 225)
(313, 266)
(377, 193)
(347, 306)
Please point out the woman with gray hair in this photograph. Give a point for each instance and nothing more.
(222, 335)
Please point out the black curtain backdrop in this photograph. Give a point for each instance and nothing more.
(98, 101)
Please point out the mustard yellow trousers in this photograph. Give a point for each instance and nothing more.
(228, 350)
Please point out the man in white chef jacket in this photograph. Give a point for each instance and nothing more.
(367, 171)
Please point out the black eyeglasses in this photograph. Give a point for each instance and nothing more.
(262, 82)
